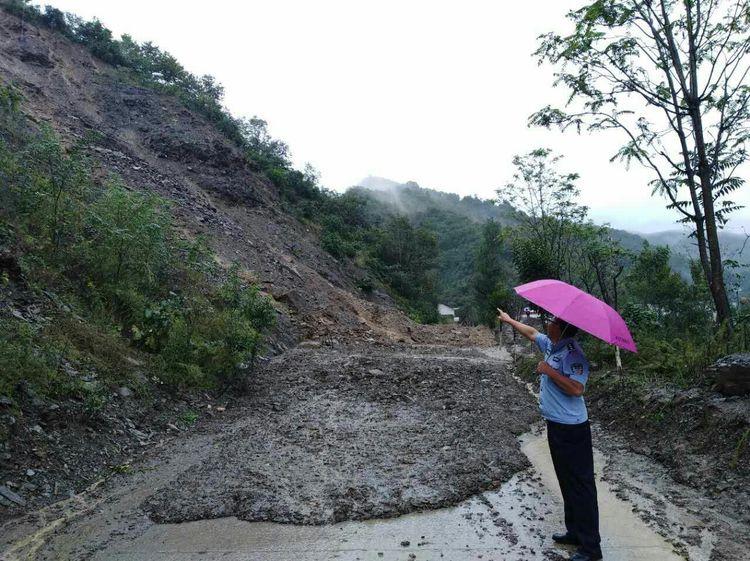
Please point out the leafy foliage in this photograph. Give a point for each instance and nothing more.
(547, 211)
(114, 253)
(492, 277)
(670, 316)
(456, 222)
(404, 257)
(457, 240)
(658, 297)
(671, 78)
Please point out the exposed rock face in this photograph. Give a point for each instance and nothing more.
(731, 374)
(156, 144)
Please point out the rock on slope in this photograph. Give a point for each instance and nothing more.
(156, 144)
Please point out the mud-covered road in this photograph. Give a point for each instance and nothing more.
(350, 433)
(327, 434)
(354, 433)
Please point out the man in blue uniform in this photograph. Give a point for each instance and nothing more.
(564, 372)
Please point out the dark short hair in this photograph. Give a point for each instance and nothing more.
(566, 329)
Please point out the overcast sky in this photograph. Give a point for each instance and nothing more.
(431, 91)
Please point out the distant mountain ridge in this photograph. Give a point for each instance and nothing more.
(413, 200)
(734, 246)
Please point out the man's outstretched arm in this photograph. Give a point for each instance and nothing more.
(526, 330)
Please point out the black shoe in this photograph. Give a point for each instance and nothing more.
(581, 556)
(566, 538)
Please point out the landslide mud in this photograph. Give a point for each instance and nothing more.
(353, 433)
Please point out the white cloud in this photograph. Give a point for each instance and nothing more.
(433, 91)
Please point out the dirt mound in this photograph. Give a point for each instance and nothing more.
(359, 432)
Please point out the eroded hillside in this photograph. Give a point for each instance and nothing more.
(156, 144)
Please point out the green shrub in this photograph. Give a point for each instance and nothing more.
(114, 254)
(127, 239)
(336, 245)
(247, 301)
(24, 360)
(97, 38)
(404, 258)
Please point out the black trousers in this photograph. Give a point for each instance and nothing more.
(573, 458)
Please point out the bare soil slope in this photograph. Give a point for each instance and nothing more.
(156, 144)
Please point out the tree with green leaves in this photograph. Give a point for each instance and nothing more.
(269, 152)
(405, 259)
(601, 261)
(672, 78)
(491, 282)
(655, 293)
(546, 209)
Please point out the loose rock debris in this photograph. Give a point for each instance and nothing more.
(359, 432)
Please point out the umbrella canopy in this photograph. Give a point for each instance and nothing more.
(580, 309)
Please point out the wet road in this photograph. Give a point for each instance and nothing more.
(512, 523)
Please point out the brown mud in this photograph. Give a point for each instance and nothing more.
(350, 433)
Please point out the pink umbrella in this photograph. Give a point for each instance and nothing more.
(580, 309)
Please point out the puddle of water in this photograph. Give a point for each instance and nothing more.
(513, 523)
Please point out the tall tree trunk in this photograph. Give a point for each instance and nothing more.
(716, 282)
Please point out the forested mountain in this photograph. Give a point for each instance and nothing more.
(683, 250)
(456, 222)
(410, 198)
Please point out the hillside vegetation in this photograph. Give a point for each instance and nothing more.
(117, 272)
(420, 245)
(485, 247)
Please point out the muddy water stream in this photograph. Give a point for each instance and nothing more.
(512, 523)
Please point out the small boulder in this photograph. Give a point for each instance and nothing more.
(731, 374)
(11, 496)
(686, 396)
(37, 429)
(36, 57)
(124, 391)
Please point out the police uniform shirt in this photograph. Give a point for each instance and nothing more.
(568, 359)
